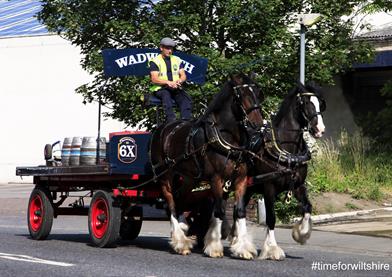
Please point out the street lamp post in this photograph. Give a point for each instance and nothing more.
(305, 20)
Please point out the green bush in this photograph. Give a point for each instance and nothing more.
(286, 211)
(353, 165)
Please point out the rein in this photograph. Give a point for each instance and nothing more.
(215, 138)
(169, 163)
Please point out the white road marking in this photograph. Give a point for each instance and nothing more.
(25, 258)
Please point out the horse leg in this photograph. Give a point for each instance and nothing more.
(225, 224)
(271, 250)
(212, 241)
(179, 241)
(201, 219)
(241, 243)
(246, 200)
(303, 229)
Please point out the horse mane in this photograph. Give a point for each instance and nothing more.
(286, 104)
(291, 96)
(223, 95)
(219, 98)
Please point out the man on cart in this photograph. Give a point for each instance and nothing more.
(167, 76)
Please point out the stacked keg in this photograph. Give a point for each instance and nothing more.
(82, 151)
(88, 151)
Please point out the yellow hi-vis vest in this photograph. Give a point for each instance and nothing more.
(175, 68)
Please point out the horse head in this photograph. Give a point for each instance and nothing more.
(246, 101)
(311, 105)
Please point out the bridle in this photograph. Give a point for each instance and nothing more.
(309, 118)
(238, 93)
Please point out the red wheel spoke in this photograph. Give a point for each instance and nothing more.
(100, 214)
(36, 211)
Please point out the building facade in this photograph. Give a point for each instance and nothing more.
(357, 93)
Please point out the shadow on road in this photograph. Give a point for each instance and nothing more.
(146, 242)
(155, 243)
(80, 238)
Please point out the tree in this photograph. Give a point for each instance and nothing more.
(230, 33)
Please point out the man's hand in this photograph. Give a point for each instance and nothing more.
(179, 83)
(172, 84)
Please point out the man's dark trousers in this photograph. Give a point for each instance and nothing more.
(181, 98)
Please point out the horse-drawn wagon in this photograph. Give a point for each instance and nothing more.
(230, 142)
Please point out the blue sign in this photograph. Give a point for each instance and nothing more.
(128, 153)
(134, 62)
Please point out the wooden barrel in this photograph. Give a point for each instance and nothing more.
(66, 151)
(74, 158)
(88, 151)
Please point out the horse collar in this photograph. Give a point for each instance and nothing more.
(281, 155)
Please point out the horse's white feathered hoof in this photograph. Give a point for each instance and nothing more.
(243, 249)
(214, 250)
(182, 245)
(274, 253)
(300, 233)
(245, 255)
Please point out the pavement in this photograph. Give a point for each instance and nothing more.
(375, 222)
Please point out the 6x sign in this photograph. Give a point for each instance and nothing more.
(127, 150)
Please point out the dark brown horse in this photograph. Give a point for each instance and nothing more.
(197, 160)
(282, 166)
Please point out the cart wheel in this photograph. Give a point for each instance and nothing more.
(131, 223)
(104, 219)
(40, 213)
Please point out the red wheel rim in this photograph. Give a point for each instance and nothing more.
(99, 218)
(36, 213)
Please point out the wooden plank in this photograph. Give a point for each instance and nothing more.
(63, 170)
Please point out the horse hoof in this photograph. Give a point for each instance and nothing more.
(247, 256)
(274, 253)
(273, 258)
(298, 233)
(182, 245)
(216, 255)
(243, 248)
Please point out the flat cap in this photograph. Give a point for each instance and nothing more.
(168, 42)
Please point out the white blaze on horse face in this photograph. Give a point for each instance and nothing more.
(320, 123)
